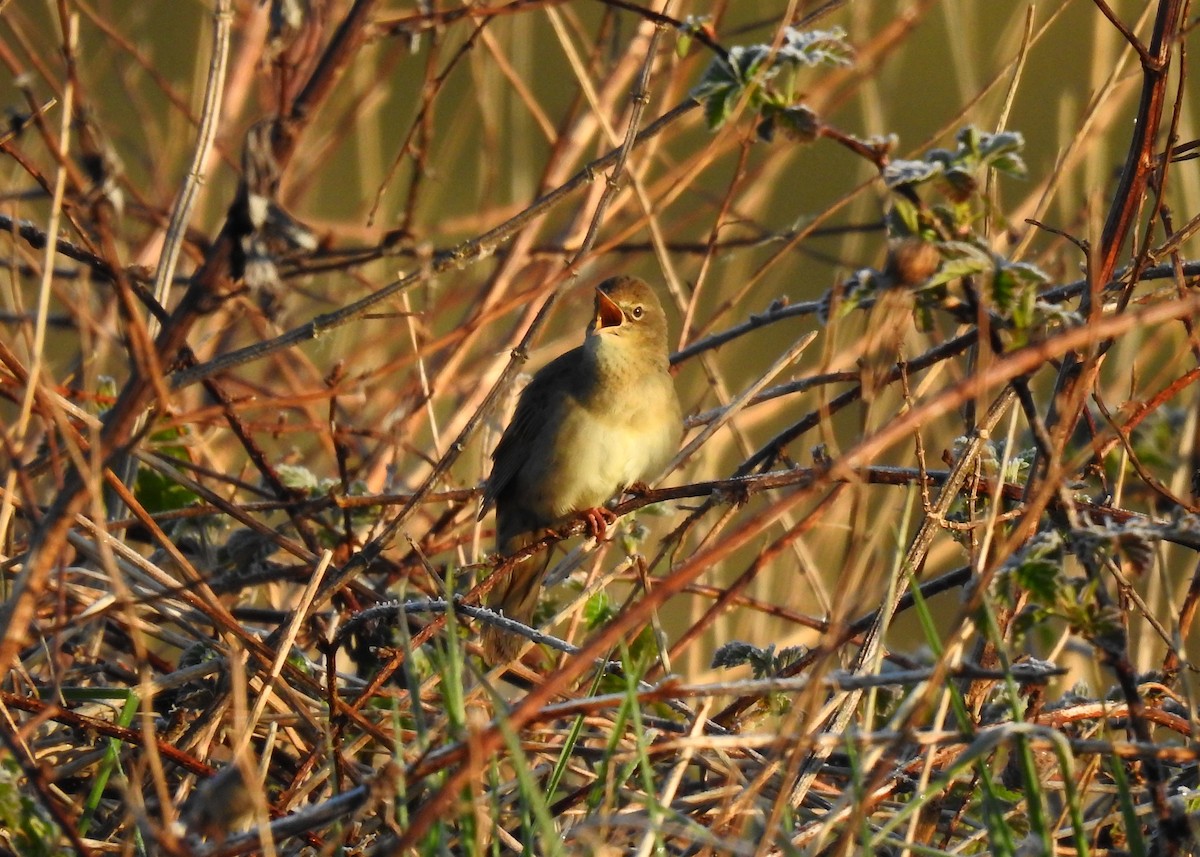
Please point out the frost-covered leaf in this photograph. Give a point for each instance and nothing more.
(968, 139)
(733, 654)
(957, 172)
(816, 47)
(725, 80)
(884, 143)
(722, 73)
(1000, 152)
(297, 477)
(861, 286)
(941, 156)
(749, 61)
(1004, 141)
(1010, 165)
(1040, 576)
(1138, 546)
(798, 124)
(763, 662)
(899, 173)
(633, 534)
(1134, 541)
(790, 655)
(746, 71)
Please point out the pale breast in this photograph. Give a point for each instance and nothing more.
(594, 454)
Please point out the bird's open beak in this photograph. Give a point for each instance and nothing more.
(608, 314)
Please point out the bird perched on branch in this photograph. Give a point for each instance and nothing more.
(592, 422)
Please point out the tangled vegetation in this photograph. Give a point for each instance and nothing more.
(920, 581)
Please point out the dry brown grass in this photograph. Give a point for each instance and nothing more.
(921, 582)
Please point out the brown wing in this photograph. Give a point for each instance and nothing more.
(538, 406)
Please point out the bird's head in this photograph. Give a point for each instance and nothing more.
(628, 314)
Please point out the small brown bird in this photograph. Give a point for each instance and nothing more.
(592, 422)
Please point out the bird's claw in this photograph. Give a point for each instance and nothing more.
(598, 521)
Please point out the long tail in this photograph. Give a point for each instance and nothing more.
(516, 596)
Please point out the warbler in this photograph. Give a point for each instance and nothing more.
(594, 421)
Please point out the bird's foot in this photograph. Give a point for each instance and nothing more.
(598, 520)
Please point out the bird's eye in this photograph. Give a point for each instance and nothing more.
(637, 312)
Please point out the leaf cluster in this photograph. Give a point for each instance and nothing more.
(765, 76)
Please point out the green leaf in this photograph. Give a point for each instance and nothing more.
(1004, 290)
(1014, 293)
(171, 443)
(643, 647)
(1008, 795)
(1011, 165)
(720, 72)
(597, 611)
(159, 493)
(106, 393)
(718, 105)
(683, 43)
(717, 77)
(961, 259)
(27, 829)
(904, 217)
(1041, 576)
(1027, 275)
(717, 90)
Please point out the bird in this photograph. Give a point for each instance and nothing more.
(594, 421)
